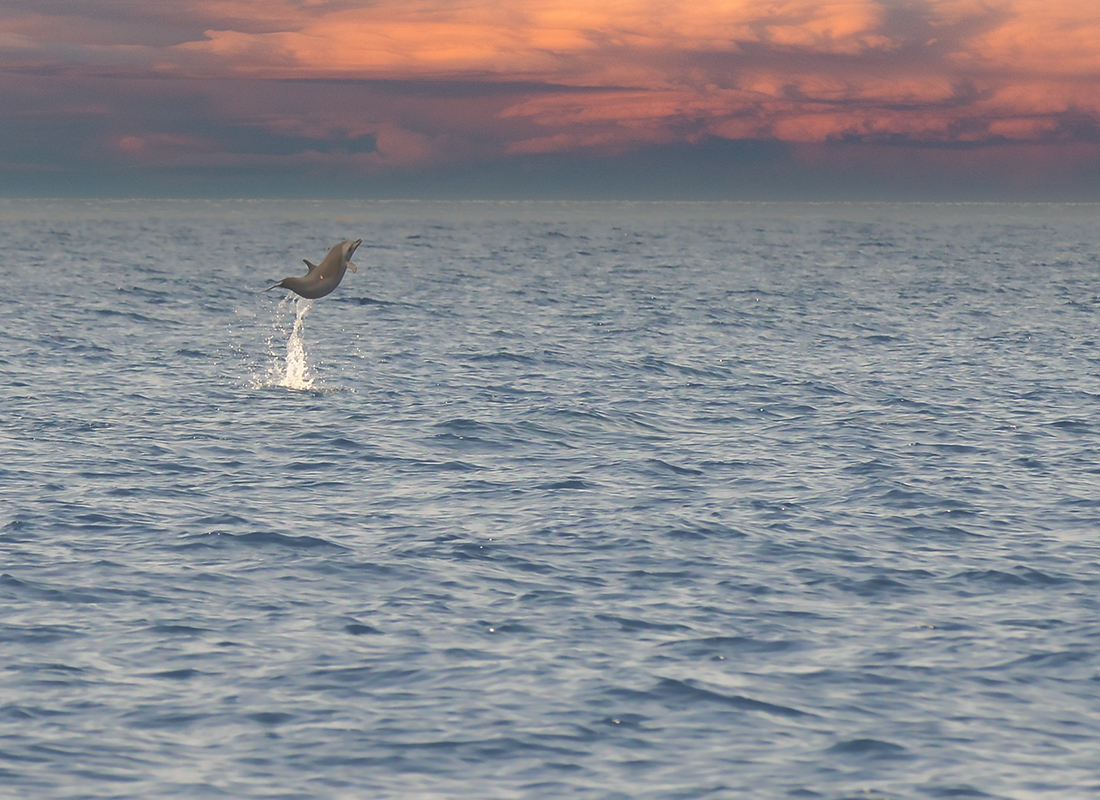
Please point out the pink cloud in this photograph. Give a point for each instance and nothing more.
(604, 77)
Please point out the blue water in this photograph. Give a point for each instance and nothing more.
(550, 500)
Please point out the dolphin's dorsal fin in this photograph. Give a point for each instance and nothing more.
(310, 264)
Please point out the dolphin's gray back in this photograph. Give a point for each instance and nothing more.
(334, 258)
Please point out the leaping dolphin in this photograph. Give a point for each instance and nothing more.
(324, 277)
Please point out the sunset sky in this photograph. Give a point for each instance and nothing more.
(767, 99)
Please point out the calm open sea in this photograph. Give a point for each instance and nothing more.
(585, 500)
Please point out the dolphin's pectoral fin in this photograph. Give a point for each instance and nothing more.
(352, 267)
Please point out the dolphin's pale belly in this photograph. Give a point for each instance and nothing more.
(312, 288)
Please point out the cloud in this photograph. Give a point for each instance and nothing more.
(398, 84)
(569, 41)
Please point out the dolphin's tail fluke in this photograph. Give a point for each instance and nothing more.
(269, 288)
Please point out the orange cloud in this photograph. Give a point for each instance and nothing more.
(795, 70)
(562, 40)
(612, 75)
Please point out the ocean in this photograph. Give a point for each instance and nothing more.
(550, 500)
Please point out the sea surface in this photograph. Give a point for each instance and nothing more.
(550, 500)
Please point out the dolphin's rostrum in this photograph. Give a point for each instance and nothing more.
(324, 277)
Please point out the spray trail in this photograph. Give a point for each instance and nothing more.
(292, 372)
(297, 374)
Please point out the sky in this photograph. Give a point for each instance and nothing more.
(631, 99)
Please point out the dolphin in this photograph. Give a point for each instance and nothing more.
(324, 277)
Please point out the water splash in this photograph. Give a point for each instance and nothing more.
(291, 372)
(297, 374)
